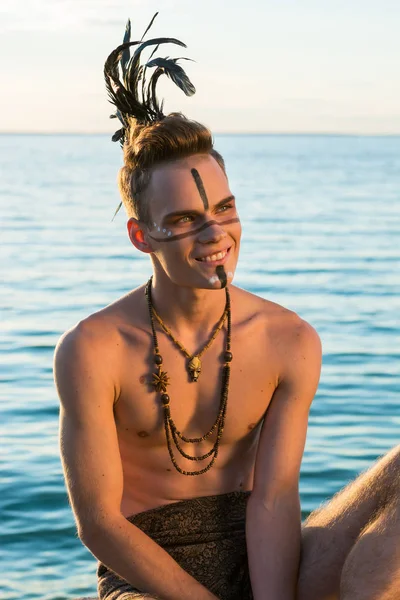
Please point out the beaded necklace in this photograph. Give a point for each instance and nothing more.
(194, 364)
(161, 381)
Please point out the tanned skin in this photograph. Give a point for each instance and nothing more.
(112, 437)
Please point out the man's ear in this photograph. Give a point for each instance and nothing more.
(137, 235)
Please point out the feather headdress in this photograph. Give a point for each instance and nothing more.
(125, 94)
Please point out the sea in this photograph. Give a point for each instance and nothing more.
(321, 236)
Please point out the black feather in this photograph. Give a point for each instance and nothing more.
(149, 25)
(144, 72)
(124, 94)
(175, 72)
(151, 93)
(127, 38)
(118, 134)
(123, 75)
(118, 207)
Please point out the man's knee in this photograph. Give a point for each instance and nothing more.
(319, 572)
(372, 568)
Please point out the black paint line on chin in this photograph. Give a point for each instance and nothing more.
(221, 275)
(181, 236)
(200, 187)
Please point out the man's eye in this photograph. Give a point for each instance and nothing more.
(225, 206)
(182, 219)
(190, 218)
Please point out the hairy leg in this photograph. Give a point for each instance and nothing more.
(330, 532)
(129, 596)
(372, 569)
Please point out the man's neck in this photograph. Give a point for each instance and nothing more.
(187, 310)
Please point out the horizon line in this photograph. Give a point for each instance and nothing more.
(266, 133)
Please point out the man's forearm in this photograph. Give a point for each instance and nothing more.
(273, 538)
(134, 556)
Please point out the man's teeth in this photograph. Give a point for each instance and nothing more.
(213, 257)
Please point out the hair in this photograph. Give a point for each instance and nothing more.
(149, 145)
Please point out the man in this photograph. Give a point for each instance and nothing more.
(170, 511)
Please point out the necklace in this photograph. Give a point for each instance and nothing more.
(194, 364)
(161, 381)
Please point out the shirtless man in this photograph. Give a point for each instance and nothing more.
(113, 435)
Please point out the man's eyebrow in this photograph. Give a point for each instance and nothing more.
(189, 211)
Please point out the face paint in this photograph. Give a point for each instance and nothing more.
(221, 275)
(187, 223)
(200, 187)
(158, 228)
(181, 236)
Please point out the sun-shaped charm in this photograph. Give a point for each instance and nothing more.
(160, 381)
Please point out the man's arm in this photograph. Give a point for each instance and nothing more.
(273, 516)
(93, 470)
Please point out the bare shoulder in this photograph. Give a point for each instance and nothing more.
(89, 336)
(81, 372)
(92, 348)
(251, 305)
(288, 333)
(100, 331)
(86, 356)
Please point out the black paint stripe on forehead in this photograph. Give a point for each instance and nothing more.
(181, 236)
(200, 187)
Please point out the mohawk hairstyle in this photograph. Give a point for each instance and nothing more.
(147, 136)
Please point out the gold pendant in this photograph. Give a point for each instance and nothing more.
(194, 367)
(160, 381)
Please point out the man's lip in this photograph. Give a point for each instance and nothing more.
(212, 263)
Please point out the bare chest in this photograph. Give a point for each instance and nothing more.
(194, 406)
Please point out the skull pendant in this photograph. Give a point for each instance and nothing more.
(195, 368)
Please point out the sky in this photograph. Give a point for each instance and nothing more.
(261, 66)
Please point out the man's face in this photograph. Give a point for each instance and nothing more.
(193, 216)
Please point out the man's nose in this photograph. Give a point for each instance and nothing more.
(213, 233)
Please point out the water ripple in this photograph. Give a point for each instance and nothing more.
(321, 221)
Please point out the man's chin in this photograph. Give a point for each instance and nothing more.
(220, 279)
(213, 280)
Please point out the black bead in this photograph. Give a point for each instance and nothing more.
(158, 359)
(228, 356)
(165, 399)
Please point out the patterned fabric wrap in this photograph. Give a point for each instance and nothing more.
(206, 536)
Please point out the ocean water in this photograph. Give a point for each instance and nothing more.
(321, 225)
